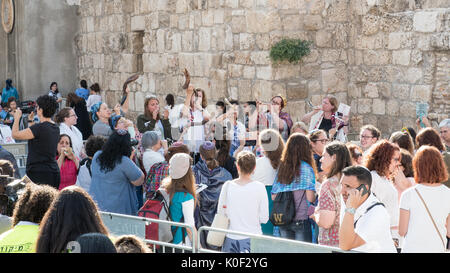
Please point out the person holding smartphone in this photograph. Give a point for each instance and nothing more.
(365, 224)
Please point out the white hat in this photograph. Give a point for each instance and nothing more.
(179, 165)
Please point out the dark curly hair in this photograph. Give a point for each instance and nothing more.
(297, 149)
(380, 155)
(112, 152)
(71, 214)
(7, 168)
(429, 136)
(33, 203)
(94, 144)
(130, 244)
(48, 105)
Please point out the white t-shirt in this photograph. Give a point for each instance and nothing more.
(264, 171)
(385, 191)
(373, 227)
(422, 235)
(151, 157)
(195, 136)
(76, 137)
(84, 178)
(247, 207)
(92, 99)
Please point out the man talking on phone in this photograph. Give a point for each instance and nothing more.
(365, 225)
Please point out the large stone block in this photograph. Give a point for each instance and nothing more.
(426, 21)
(137, 23)
(259, 21)
(364, 106)
(401, 57)
(421, 93)
(379, 107)
(371, 90)
(297, 91)
(392, 108)
(323, 38)
(377, 57)
(313, 22)
(400, 40)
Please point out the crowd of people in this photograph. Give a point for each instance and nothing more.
(370, 194)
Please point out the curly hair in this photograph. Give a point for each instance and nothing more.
(273, 146)
(130, 244)
(380, 155)
(71, 214)
(403, 140)
(94, 144)
(429, 136)
(7, 168)
(112, 152)
(297, 149)
(33, 203)
(48, 105)
(429, 166)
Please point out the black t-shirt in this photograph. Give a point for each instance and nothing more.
(42, 148)
(326, 125)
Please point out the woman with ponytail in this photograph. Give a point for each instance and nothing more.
(208, 173)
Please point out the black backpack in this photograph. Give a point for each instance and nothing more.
(283, 210)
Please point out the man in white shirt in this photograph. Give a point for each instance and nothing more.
(365, 225)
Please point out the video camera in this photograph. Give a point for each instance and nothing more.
(27, 106)
(10, 190)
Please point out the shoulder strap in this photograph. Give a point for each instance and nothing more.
(225, 192)
(429, 214)
(367, 210)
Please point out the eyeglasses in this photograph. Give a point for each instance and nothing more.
(323, 141)
(358, 155)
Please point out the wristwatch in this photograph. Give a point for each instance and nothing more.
(350, 210)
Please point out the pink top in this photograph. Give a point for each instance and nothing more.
(329, 199)
(68, 173)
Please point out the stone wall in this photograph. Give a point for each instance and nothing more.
(379, 56)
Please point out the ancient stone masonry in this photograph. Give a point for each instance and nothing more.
(379, 56)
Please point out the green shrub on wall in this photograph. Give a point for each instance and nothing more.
(291, 50)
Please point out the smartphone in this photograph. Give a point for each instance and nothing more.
(362, 188)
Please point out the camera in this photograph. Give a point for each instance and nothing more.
(27, 106)
(10, 190)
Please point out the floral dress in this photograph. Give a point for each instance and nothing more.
(330, 199)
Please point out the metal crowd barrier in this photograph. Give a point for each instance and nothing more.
(20, 153)
(120, 224)
(269, 244)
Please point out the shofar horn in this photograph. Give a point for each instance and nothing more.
(125, 85)
(187, 76)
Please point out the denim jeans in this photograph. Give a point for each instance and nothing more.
(297, 230)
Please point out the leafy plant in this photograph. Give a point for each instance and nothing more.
(291, 50)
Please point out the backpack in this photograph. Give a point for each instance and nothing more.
(283, 210)
(157, 207)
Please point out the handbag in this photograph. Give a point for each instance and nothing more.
(220, 221)
(432, 220)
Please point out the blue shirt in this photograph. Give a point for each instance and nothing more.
(6, 94)
(307, 181)
(176, 211)
(82, 93)
(113, 190)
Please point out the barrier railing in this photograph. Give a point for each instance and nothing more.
(120, 224)
(269, 244)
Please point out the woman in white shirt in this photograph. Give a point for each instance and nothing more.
(383, 160)
(246, 205)
(94, 96)
(67, 120)
(196, 114)
(272, 145)
(425, 208)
